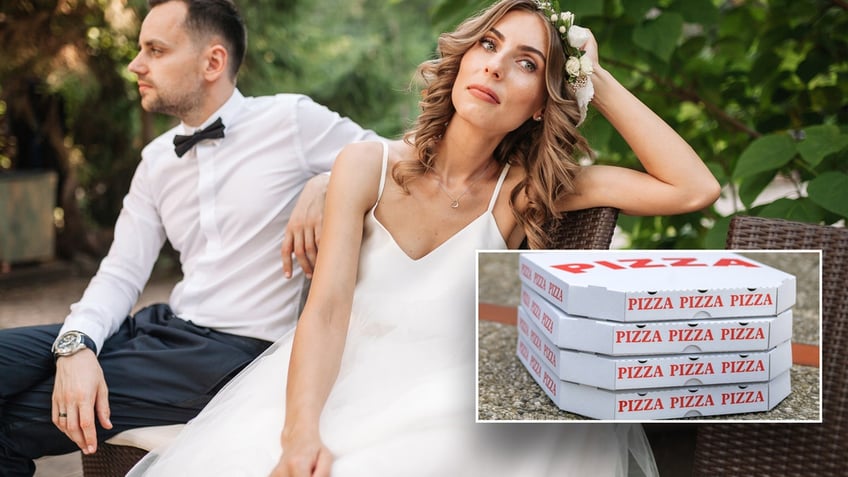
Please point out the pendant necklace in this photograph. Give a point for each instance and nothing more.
(455, 200)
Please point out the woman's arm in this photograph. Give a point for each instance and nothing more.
(319, 338)
(675, 181)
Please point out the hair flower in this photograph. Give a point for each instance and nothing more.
(586, 65)
(578, 68)
(577, 36)
(573, 66)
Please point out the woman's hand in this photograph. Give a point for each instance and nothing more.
(590, 47)
(304, 458)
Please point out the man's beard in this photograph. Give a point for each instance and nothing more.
(179, 105)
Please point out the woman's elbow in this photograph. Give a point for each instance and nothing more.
(703, 195)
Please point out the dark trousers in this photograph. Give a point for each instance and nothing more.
(159, 369)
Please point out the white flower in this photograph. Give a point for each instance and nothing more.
(554, 17)
(567, 17)
(562, 30)
(577, 36)
(572, 66)
(586, 65)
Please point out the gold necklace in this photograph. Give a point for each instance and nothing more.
(455, 200)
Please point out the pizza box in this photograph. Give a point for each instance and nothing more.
(655, 337)
(655, 285)
(648, 404)
(655, 371)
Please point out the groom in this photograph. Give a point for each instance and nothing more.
(221, 187)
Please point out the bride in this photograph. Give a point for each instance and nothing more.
(380, 374)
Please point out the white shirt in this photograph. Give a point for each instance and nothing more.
(223, 206)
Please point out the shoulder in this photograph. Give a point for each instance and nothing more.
(283, 106)
(358, 169)
(362, 160)
(159, 147)
(292, 103)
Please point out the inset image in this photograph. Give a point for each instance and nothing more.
(649, 335)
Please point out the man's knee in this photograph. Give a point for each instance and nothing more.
(25, 358)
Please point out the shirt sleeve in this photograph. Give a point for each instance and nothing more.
(323, 133)
(114, 290)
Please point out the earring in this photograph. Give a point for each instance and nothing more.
(537, 118)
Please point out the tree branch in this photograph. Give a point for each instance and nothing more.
(693, 96)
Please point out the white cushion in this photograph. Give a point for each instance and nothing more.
(147, 438)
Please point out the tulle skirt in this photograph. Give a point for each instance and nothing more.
(402, 405)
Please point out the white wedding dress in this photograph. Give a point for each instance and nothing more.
(403, 403)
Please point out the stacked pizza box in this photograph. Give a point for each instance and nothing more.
(656, 334)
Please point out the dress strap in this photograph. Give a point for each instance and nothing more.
(498, 187)
(383, 170)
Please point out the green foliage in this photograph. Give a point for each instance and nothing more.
(356, 56)
(758, 88)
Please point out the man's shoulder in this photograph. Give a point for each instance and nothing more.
(163, 142)
(277, 101)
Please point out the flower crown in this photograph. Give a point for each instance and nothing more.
(578, 67)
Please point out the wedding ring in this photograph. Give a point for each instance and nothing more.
(63, 414)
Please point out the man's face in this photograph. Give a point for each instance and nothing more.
(169, 64)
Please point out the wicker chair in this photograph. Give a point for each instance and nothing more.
(582, 229)
(792, 449)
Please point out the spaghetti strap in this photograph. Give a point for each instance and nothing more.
(383, 170)
(498, 188)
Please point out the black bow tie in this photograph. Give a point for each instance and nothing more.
(183, 143)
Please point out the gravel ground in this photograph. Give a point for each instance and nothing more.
(506, 391)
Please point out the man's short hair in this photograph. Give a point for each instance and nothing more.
(216, 17)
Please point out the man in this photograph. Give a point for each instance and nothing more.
(223, 199)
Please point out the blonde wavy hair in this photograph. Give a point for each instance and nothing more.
(545, 150)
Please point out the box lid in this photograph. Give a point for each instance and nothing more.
(657, 285)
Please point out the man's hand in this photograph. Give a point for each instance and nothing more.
(79, 393)
(303, 231)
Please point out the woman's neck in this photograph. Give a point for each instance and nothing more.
(464, 152)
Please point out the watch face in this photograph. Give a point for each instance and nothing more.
(68, 343)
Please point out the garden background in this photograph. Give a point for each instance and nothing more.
(758, 87)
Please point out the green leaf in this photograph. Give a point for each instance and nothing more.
(447, 14)
(716, 236)
(583, 8)
(598, 131)
(830, 191)
(697, 11)
(766, 153)
(660, 36)
(800, 210)
(751, 187)
(636, 9)
(816, 62)
(821, 141)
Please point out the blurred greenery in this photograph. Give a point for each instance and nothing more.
(757, 87)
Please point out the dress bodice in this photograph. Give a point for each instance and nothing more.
(440, 283)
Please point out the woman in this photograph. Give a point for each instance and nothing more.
(381, 367)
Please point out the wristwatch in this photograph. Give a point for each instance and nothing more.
(71, 342)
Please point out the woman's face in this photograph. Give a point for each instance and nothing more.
(501, 79)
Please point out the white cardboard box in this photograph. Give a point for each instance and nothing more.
(655, 371)
(664, 403)
(640, 285)
(655, 337)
